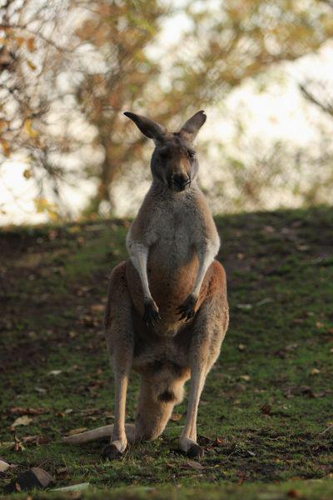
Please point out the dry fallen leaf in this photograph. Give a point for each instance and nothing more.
(61, 471)
(264, 301)
(73, 487)
(24, 420)
(314, 371)
(40, 390)
(4, 466)
(97, 308)
(36, 439)
(246, 307)
(266, 409)
(294, 494)
(195, 465)
(217, 442)
(19, 410)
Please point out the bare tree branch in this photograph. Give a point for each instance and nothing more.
(325, 107)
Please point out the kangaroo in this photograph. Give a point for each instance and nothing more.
(167, 310)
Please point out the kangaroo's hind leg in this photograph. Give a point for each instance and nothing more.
(209, 328)
(120, 342)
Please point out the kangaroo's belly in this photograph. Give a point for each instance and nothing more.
(171, 275)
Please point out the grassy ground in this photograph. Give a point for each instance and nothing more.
(265, 417)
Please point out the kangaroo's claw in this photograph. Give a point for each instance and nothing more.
(195, 451)
(187, 309)
(151, 315)
(111, 452)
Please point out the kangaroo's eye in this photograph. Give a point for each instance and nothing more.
(164, 153)
(191, 153)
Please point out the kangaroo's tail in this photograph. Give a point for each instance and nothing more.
(88, 436)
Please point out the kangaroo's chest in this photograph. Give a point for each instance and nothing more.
(174, 243)
(172, 258)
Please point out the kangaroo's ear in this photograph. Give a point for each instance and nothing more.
(193, 125)
(148, 127)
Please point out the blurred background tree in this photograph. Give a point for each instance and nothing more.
(31, 60)
(69, 69)
(118, 33)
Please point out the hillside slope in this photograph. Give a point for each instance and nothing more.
(266, 411)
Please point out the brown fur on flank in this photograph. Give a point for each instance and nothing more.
(167, 310)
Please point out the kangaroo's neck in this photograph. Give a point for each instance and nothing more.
(159, 189)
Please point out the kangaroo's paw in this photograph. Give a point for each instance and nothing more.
(114, 450)
(187, 309)
(151, 314)
(191, 448)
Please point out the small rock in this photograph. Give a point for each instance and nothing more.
(33, 478)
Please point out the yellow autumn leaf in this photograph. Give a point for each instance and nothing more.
(6, 148)
(31, 65)
(42, 205)
(53, 215)
(27, 173)
(20, 40)
(31, 44)
(29, 130)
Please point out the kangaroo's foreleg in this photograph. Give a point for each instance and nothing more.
(209, 328)
(120, 341)
(206, 254)
(139, 257)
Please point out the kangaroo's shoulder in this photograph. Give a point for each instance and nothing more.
(201, 213)
(147, 217)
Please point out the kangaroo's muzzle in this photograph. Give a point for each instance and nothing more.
(179, 182)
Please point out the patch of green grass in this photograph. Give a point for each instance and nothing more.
(266, 413)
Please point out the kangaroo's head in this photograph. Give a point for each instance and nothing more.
(174, 160)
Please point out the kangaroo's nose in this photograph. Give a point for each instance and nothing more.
(179, 181)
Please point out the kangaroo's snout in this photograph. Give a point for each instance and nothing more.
(179, 182)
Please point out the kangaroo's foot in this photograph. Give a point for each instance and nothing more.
(187, 309)
(111, 452)
(191, 448)
(151, 314)
(114, 450)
